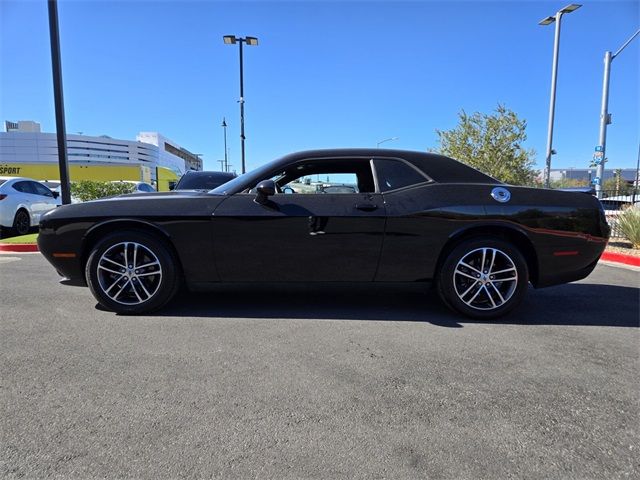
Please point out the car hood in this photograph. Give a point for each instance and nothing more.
(137, 205)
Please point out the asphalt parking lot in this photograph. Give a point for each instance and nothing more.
(328, 383)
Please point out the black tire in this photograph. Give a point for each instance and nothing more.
(488, 292)
(21, 222)
(123, 288)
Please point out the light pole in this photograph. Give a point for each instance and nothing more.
(232, 40)
(226, 159)
(385, 140)
(605, 117)
(554, 77)
(61, 129)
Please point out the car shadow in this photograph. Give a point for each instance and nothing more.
(10, 233)
(578, 304)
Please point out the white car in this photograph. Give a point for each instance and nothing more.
(22, 202)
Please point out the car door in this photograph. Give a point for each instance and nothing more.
(25, 196)
(43, 199)
(300, 237)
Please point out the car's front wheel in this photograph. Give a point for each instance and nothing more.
(483, 278)
(132, 272)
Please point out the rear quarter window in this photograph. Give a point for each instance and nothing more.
(394, 174)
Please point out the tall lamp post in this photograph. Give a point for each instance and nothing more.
(61, 129)
(226, 159)
(232, 40)
(385, 140)
(554, 76)
(605, 117)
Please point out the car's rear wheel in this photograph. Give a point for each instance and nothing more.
(483, 278)
(21, 222)
(132, 272)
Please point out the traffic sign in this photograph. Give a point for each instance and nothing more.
(596, 181)
(599, 148)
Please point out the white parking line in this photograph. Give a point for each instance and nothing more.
(9, 259)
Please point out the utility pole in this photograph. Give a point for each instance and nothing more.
(605, 117)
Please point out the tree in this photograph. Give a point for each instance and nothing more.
(492, 144)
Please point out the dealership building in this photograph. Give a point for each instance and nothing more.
(23, 143)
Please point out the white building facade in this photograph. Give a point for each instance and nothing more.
(30, 145)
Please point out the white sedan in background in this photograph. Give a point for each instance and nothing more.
(22, 202)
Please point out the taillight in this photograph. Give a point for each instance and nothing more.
(2, 196)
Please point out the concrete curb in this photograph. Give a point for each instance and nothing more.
(19, 247)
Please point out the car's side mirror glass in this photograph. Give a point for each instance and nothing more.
(265, 189)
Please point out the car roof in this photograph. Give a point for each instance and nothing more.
(438, 167)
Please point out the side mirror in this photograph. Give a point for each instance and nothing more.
(55, 194)
(265, 189)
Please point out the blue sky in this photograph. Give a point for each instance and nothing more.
(325, 74)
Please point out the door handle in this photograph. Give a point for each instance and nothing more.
(366, 207)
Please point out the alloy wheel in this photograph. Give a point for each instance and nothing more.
(485, 278)
(129, 273)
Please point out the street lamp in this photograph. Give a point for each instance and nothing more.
(605, 117)
(554, 76)
(253, 41)
(226, 160)
(385, 140)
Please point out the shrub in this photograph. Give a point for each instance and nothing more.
(89, 190)
(629, 223)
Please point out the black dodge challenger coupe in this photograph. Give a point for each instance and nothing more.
(406, 217)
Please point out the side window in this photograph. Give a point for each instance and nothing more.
(394, 174)
(325, 182)
(41, 189)
(24, 187)
(326, 176)
(146, 188)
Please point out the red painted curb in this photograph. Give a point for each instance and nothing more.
(621, 258)
(18, 247)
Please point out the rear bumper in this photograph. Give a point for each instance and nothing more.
(569, 262)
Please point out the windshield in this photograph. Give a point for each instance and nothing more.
(255, 175)
(203, 181)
